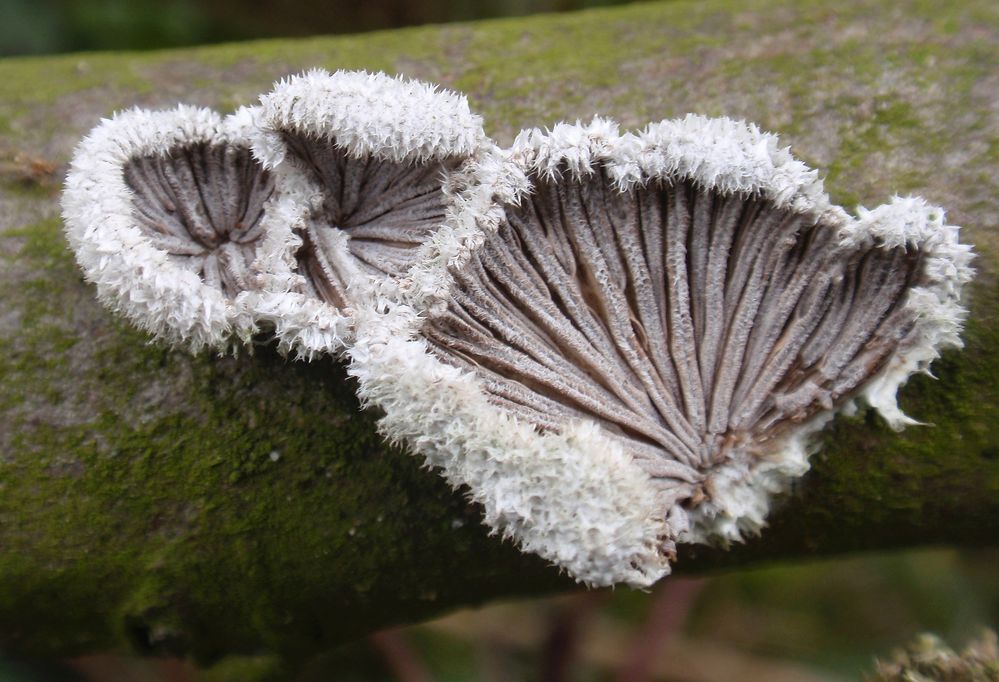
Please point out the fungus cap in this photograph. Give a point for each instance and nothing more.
(370, 157)
(167, 214)
(635, 342)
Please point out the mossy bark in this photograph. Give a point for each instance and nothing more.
(206, 505)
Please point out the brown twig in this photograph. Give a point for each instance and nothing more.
(672, 603)
(563, 639)
(404, 662)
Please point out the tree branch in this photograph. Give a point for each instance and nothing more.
(207, 505)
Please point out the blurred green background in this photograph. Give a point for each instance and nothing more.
(51, 26)
(819, 621)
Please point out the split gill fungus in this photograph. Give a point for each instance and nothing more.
(614, 342)
(278, 218)
(636, 347)
(369, 158)
(166, 212)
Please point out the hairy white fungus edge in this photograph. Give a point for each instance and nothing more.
(368, 115)
(301, 324)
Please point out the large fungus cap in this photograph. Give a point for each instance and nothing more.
(636, 347)
(370, 156)
(166, 213)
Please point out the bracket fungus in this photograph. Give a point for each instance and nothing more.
(165, 211)
(636, 347)
(371, 158)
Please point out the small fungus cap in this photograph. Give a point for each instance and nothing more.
(625, 341)
(166, 212)
(370, 157)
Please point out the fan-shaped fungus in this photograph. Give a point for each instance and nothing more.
(637, 347)
(194, 238)
(166, 213)
(371, 156)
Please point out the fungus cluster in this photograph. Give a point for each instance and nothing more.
(281, 217)
(616, 342)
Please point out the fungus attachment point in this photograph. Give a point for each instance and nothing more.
(166, 213)
(381, 229)
(370, 156)
(648, 334)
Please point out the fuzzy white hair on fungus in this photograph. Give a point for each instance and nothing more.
(128, 200)
(606, 495)
(372, 159)
(368, 115)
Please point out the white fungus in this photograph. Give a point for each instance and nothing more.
(635, 341)
(370, 157)
(196, 240)
(167, 214)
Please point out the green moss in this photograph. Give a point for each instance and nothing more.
(43, 80)
(201, 503)
(245, 669)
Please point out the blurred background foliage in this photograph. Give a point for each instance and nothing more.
(810, 622)
(51, 26)
(819, 621)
